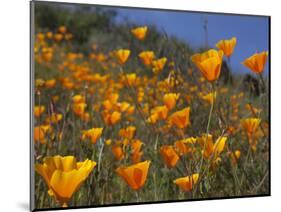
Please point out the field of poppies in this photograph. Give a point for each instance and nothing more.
(143, 121)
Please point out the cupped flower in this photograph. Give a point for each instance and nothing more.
(122, 55)
(147, 57)
(38, 110)
(128, 132)
(111, 118)
(250, 125)
(234, 156)
(134, 175)
(210, 97)
(185, 146)
(180, 118)
(64, 175)
(209, 63)
(79, 108)
(169, 155)
(131, 79)
(227, 46)
(139, 32)
(170, 100)
(158, 65)
(54, 118)
(210, 149)
(93, 134)
(186, 183)
(256, 62)
(40, 133)
(118, 152)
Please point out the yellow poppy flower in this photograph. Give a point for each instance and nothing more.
(122, 55)
(170, 100)
(209, 63)
(139, 32)
(227, 46)
(169, 156)
(54, 118)
(134, 175)
(64, 175)
(256, 62)
(186, 183)
(210, 97)
(146, 57)
(38, 110)
(250, 125)
(211, 149)
(158, 65)
(94, 134)
(234, 156)
(131, 79)
(180, 118)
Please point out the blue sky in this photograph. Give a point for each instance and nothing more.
(251, 31)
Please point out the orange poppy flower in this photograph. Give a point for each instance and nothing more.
(62, 29)
(134, 175)
(58, 37)
(250, 125)
(186, 183)
(40, 133)
(128, 132)
(50, 83)
(169, 155)
(180, 118)
(79, 108)
(94, 134)
(136, 150)
(158, 65)
(38, 110)
(139, 32)
(54, 118)
(211, 149)
(78, 99)
(131, 79)
(170, 100)
(146, 57)
(117, 152)
(185, 146)
(234, 156)
(227, 46)
(209, 63)
(111, 118)
(256, 62)
(64, 176)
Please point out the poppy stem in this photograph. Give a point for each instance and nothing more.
(137, 196)
(207, 133)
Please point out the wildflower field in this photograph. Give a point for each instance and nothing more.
(125, 113)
